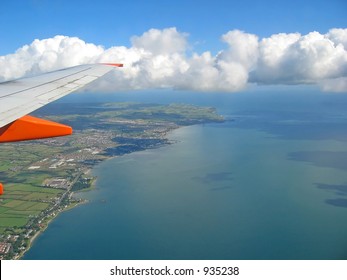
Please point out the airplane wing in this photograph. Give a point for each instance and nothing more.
(23, 96)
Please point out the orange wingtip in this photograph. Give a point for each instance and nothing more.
(30, 128)
(1, 189)
(114, 64)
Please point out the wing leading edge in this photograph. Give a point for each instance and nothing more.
(23, 96)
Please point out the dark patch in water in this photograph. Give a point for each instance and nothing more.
(214, 177)
(338, 202)
(130, 145)
(336, 160)
(338, 189)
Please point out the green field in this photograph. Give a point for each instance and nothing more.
(23, 201)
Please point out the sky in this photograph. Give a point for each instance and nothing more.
(220, 45)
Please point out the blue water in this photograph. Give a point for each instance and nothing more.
(266, 184)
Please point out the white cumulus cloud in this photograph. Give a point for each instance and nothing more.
(159, 59)
(164, 41)
(297, 59)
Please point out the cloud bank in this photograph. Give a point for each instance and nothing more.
(159, 59)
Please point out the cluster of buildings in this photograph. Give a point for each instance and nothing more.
(5, 248)
(57, 183)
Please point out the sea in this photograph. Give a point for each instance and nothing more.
(270, 183)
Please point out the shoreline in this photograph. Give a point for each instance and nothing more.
(135, 127)
(94, 183)
(43, 229)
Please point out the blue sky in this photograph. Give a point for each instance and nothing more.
(112, 22)
(202, 45)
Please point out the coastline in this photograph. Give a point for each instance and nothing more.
(46, 224)
(152, 135)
